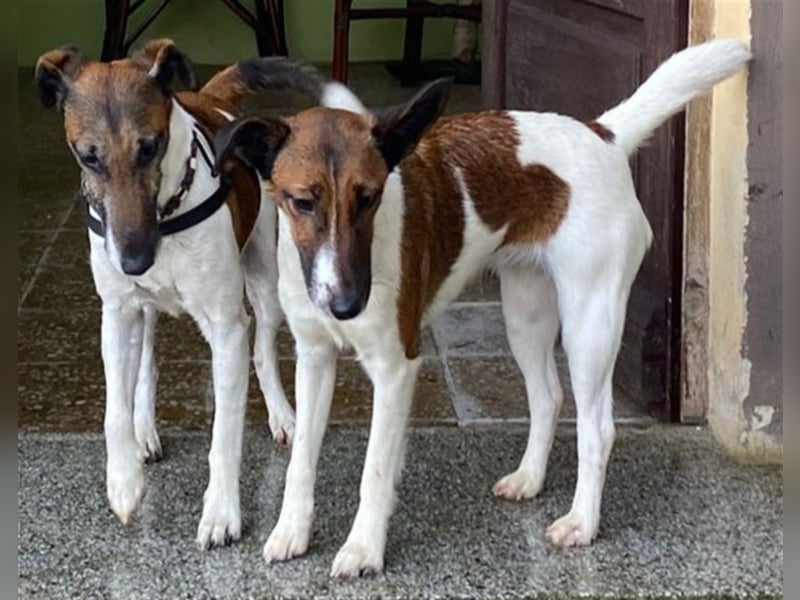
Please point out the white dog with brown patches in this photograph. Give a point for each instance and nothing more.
(383, 219)
(167, 233)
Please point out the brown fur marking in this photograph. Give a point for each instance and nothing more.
(330, 159)
(433, 226)
(531, 201)
(244, 201)
(601, 130)
(112, 105)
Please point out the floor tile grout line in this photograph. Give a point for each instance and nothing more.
(45, 253)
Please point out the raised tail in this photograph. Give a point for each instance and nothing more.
(674, 83)
(252, 76)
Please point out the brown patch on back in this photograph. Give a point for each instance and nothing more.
(601, 130)
(532, 201)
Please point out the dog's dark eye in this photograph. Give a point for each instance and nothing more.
(367, 201)
(148, 150)
(302, 205)
(91, 161)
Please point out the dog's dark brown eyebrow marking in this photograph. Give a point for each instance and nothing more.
(601, 130)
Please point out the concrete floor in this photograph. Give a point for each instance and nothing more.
(680, 519)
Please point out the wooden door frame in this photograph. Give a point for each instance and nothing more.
(694, 355)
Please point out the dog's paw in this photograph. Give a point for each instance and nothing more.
(282, 427)
(126, 487)
(289, 539)
(571, 530)
(516, 486)
(357, 560)
(221, 523)
(148, 439)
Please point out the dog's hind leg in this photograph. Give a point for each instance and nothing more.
(121, 340)
(261, 283)
(144, 404)
(593, 315)
(530, 309)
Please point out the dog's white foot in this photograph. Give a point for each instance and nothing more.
(281, 424)
(125, 486)
(356, 559)
(148, 439)
(289, 539)
(573, 529)
(221, 523)
(517, 486)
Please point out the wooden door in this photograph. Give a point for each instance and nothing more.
(580, 57)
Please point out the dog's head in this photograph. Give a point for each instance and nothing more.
(327, 168)
(116, 119)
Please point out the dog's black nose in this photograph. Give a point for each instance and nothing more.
(137, 263)
(346, 306)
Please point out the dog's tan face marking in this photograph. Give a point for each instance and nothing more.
(117, 124)
(328, 180)
(327, 169)
(116, 120)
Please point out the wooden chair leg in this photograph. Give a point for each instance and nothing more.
(341, 40)
(270, 34)
(412, 47)
(115, 28)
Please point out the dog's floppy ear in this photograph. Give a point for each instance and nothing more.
(397, 131)
(255, 141)
(55, 70)
(165, 63)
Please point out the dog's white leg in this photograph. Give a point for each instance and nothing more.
(221, 522)
(593, 317)
(144, 405)
(261, 282)
(362, 553)
(314, 380)
(121, 339)
(530, 308)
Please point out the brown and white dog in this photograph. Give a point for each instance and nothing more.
(168, 233)
(384, 217)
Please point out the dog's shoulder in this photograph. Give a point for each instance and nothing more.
(244, 200)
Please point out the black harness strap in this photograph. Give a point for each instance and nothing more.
(182, 222)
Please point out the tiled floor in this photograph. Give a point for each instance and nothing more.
(469, 375)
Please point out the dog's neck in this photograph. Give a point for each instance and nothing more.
(182, 129)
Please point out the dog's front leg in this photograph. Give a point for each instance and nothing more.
(362, 553)
(221, 522)
(121, 333)
(314, 379)
(144, 405)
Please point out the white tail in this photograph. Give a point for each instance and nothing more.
(680, 78)
(337, 95)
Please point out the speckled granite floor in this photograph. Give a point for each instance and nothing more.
(680, 521)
